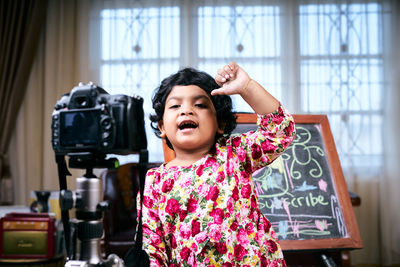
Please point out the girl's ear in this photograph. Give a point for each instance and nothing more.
(161, 128)
(221, 128)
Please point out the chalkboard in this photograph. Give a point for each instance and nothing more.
(303, 193)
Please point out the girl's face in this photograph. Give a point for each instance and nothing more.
(189, 120)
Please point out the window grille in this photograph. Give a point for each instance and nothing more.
(317, 57)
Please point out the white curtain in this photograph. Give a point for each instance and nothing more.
(379, 214)
(388, 210)
(63, 61)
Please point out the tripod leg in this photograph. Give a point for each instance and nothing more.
(327, 261)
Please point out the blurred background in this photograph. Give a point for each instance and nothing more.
(338, 58)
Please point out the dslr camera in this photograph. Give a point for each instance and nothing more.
(88, 119)
(87, 124)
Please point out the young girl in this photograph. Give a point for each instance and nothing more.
(201, 208)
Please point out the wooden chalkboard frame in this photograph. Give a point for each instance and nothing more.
(353, 238)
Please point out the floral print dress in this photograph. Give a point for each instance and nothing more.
(207, 214)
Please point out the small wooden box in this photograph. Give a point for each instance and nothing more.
(28, 236)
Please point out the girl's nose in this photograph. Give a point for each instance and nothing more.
(186, 112)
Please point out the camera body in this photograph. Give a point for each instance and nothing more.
(88, 119)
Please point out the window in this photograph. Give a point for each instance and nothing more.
(228, 33)
(138, 48)
(341, 75)
(316, 58)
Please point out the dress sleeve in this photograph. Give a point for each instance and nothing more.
(256, 149)
(153, 234)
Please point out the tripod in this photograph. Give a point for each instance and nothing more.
(87, 227)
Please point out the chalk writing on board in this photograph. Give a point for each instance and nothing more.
(296, 192)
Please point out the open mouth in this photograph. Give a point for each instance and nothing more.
(187, 125)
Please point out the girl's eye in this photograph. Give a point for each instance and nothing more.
(174, 106)
(200, 105)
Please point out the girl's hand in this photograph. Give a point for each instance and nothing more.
(232, 79)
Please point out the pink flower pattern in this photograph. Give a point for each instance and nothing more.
(207, 214)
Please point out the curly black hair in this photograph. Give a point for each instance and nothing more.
(190, 76)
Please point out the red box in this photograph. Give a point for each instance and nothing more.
(28, 236)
